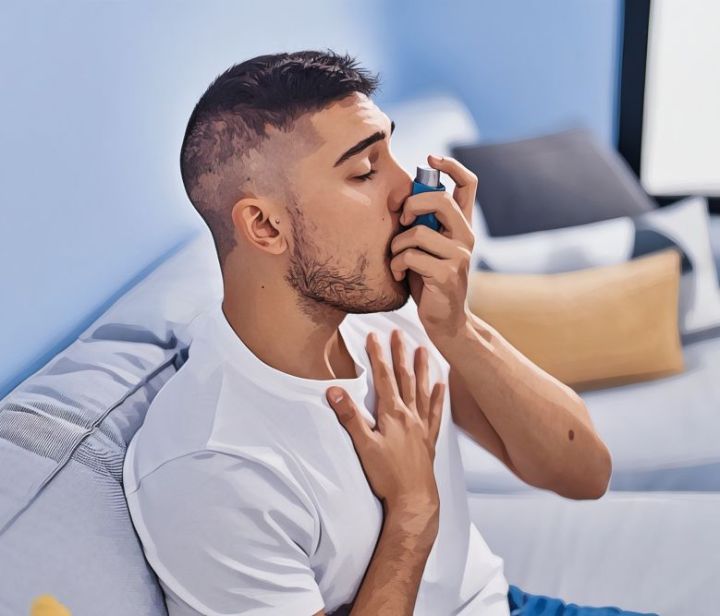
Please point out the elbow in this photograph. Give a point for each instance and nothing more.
(602, 483)
(594, 485)
(598, 481)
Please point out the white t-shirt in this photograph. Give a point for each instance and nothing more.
(249, 497)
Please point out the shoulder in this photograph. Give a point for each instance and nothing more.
(221, 495)
(228, 533)
(179, 421)
(205, 480)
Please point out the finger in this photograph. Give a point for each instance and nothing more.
(420, 262)
(426, 239)
(349, 416)
(445, 208)
(422, 387)
(436, 407)
(405, 380)
(385, 384)
(465, 182)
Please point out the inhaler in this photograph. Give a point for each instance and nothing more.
(426, 179)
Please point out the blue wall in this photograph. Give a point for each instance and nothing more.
(523, 67)
(96, 96)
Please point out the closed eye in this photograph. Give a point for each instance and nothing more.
(367, 176)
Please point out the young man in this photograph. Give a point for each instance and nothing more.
(253, 491)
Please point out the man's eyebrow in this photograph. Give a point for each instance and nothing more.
(367, 142)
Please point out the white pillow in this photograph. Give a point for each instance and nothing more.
(607, 242)
(685, 222)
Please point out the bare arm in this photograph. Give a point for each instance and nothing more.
(391, 582)
(534, 423)
(392, 579)
(397, 458)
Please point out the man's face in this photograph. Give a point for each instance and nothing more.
(340, 250)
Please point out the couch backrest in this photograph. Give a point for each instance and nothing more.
(64, 524)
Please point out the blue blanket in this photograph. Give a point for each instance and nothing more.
(525, 604)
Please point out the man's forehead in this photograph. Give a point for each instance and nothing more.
(355, 115)
(319, 138)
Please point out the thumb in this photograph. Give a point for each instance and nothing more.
(348, 414)
(340, 402)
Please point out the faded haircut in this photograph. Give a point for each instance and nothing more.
(223, 155)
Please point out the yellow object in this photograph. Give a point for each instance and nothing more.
(590, 328)
(47, 605)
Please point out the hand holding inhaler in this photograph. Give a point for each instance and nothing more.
(433, 250)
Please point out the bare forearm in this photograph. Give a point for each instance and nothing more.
(392, 579)
(543, 424)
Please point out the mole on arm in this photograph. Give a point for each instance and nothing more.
(571, 435)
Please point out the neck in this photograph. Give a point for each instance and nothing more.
(303, 341)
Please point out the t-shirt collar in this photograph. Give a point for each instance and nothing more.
(268, 377)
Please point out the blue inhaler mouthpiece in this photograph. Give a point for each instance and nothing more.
(426, 179)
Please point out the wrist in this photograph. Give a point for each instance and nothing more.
(417, 523)
(456, 344)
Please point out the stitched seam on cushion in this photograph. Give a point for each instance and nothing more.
(81, 437)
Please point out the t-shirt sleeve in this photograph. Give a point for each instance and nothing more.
(228, 536)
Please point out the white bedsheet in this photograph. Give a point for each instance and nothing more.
(649, 552)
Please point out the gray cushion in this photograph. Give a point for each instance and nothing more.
(64, 525)
(75, 542)
(558, 180)
(715, 240)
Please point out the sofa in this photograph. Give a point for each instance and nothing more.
(651, 543)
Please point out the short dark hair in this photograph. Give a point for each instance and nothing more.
(232, 116)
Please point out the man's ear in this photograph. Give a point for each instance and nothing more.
(261, 223)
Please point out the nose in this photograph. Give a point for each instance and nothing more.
(401, 188)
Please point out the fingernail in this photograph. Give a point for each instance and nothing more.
(436, 157)
(335, 394)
